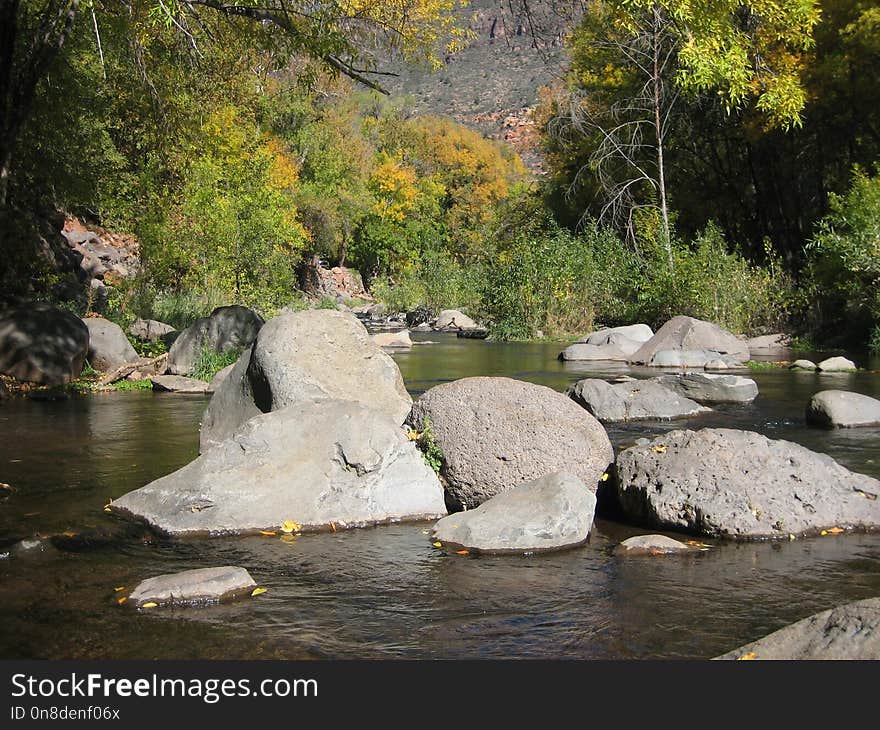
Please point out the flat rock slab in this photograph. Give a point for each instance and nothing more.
(634, 400)
(689, 333)
(836, 365)
(699, 359)
(323, 464)
(495, 433)
(550, 513)
(741, 485)
(201, 586)
(178, 384)
(393, 339)
(851, 631)
(652, 545)
(582, 352)
(843, 409)
(709, 388)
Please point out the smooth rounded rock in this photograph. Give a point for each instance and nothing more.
(149, 329)
(836, 365)
(452, 319)
(550, 513)
(651, 545)
(802, 365)
(634, 400)
(843, 409)
(586, 352)
(393, 340)
(639, 333)
(496, 433)
(200, 586)
(109, 348)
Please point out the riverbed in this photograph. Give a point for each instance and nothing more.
(385, 592)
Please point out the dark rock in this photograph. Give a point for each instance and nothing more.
(634, 400)
(221, 375)
(178, 384)
(843, 409)
(316, 463)
(496, 433)
(706, 388)
(300, 356)
(473, 334)
(227, 328)
(42, 344)
(741, 485)
(549, 513)
(851, 631)
(193, 587)
(109, 348)
(419, 315)
(690, 334)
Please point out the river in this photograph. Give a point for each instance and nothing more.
(385, 592)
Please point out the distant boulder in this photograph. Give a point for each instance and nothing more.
(149, 329)
(836, 365)
(42, 344)
(691, 335)
(452, 319)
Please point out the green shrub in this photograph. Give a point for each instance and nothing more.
(210, 362)
(127, 385)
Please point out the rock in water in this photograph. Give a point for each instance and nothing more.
(178, 384)
(109, 348)
(836, 365)
(708, 388)
(452, 319)
(227, 328)
(549, 513)
(843, 409)
(741, 485)
(633, 400)
(802, 365)
(586, 352)
(300, 356)
(193, 587)
(316, 463)
(393, 339)
(688, 333)
(846, 632)
(42, 344)
(639, 333)
(651, 545)
(496, 433)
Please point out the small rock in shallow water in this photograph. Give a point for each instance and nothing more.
(836, 365)
(651, 545)
(843, 409)
(193, 587)
(802, 365)
(178, 384)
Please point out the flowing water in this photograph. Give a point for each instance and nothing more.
(385, 592)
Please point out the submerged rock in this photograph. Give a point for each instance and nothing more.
(843, 409)
(549, 513)
(741, 485)
(227, 328)
(634, 400)
(318, 463)
(692, 335)
(851, 631)
(708, 388)
(42, 344)
(802, 365)
(496, 433)
(193, 587)
(651, 545)
(301, 356)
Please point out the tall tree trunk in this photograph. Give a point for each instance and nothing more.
(658, 130)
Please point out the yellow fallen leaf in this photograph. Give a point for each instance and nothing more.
(413, 435)
(791, 537)
(119, 588)
(462, 552)
(749, 655)
(258, 591)
(122, 600)
(268, 533)
(333, 526)
(149, 604)
(437, 544)
(835, 530)
(289, 526)
(659, 449)
(823, 533)
(604, 477)
(69, 533)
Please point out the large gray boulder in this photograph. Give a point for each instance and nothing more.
(299, 356)
(586, 352)
(843, 409)
(699, 359)
(741, 485)
(851, 631)
(688, 333)
(227, 328)
(496, 433)
(109, 348)
(198, 587)
(710, 388)
(552, 512)
(42, 344)
(640, 333)
(318, 463)
(633, 400)
(452, 319)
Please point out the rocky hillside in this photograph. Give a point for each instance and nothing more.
(492, 84)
